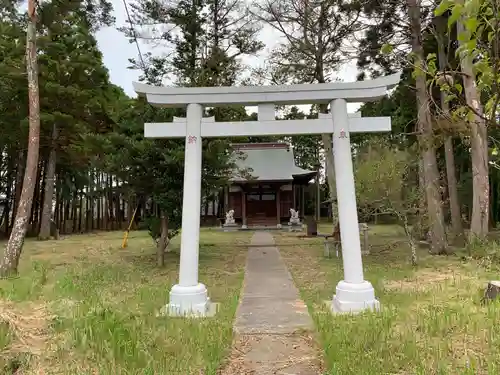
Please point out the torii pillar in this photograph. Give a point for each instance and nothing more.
(353, 293)
(190, 296)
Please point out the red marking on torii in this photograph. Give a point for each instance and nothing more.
(192, 139)
(343, 134)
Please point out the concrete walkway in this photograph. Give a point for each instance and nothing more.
(272, 323)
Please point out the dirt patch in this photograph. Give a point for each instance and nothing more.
(29, 333)
(266, 354)
(426, 280)
(29, 325)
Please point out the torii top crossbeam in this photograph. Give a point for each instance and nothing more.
(361, 91)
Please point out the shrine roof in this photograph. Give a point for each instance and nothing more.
(267, 162)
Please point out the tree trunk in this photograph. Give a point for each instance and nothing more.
(19, 181)
(66, 213)
(329, 164)
(58, 197)
(130, 212)
(421, 226)
(105, 205)
(88, 215)
(99, 201)
(323, 108)
(60, 224)
(163, 242)
(455, 211)
(80, 212)
(456, 216)
(411, 242)
(330, 173)
(479, 149)
(110, 209)
(426, 138)
(74, 208)
(92, 189)
(37, 200)
(10, 260)
(48, 198)
(8, 195)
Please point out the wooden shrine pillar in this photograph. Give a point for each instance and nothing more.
(302, 198)
(243, 209)
(278, 206)
(226, 199)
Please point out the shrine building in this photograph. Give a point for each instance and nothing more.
(270, 185)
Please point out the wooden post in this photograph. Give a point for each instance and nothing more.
(318, 198)
(363, 227)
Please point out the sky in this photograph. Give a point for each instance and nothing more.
(117, 49)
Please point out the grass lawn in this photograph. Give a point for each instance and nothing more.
(432, 320)
(83, 305)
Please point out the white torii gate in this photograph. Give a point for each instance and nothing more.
(189, 296)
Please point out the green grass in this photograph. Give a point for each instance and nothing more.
(432, 321)
(100, 305)
(4, 335)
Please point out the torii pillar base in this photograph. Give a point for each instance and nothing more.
(189, 301)
(354, 298)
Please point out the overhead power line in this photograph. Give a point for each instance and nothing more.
(134, 35)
